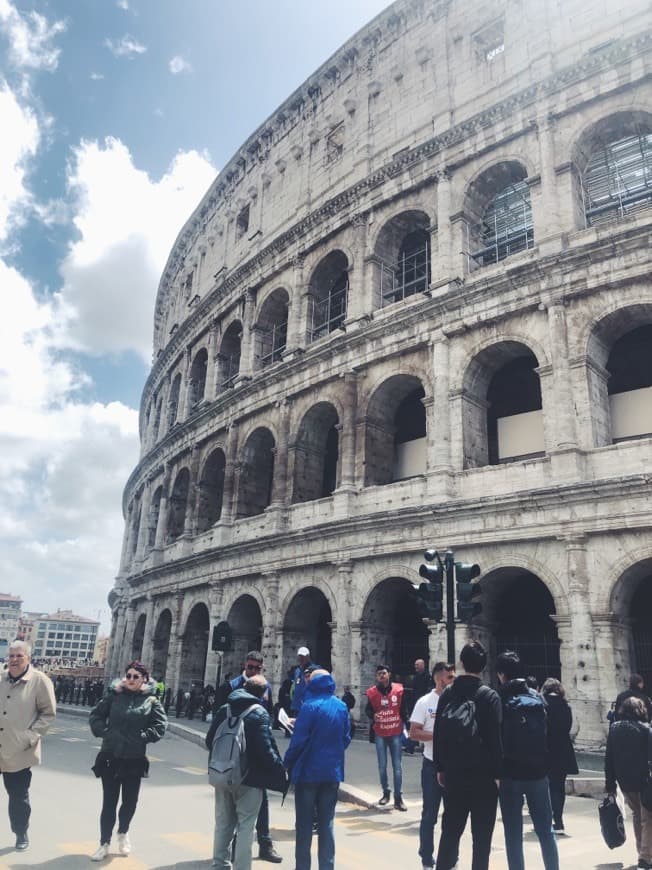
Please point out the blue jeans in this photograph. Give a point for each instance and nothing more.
(310, 799)
(394, 745)
(432, 794)
(537, 794)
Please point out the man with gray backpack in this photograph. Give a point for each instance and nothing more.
(524, 765)
(243, 760)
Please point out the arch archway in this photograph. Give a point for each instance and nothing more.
(178, 505)
(393, 631)
(198, 372)
(307, 623)
(316, 454)
(329, 290)
(161, 645)
(138, 638)
(402, 257)
(270, 334)
(395, 431)
(229, 355)
(518, 607)
(246, 622)
(211, 490)
(257, 474)
(632, 603)
(194, 647)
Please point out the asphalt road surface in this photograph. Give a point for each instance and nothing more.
(174, 821)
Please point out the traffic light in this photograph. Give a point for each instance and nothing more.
(429, 600)
(467, 591)
(431, 594)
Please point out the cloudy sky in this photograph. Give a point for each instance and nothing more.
(115, 116)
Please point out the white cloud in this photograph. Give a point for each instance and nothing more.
(96, 77)
(18, 143)
(126, 223)
(125, 47)
(30, 38)
(179, 65)
(122, 4)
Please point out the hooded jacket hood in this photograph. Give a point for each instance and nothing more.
(239, 701)
(120, 685)
(323, 684)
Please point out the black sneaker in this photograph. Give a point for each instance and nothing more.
(384, 799)
(399, 805)
(22, 842)
(269, 853)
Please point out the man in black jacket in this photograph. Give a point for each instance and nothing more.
(237, 807)
(524, 765)
(468, 758)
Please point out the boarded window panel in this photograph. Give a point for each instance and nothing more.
(410, 459)
(520, 435)
(631, 414)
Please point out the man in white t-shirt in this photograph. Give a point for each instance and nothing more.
(422, 722)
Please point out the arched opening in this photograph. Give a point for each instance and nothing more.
(501, 406)
(246, 623)
(211, 491)
(316, 454)
(138, 638)
(154, 511)
(614, 165)
(198, 377)
(519, 608)
(402, 257)
(178, 505)
(499, 214)
(228, 359)
(307, 623)
(328, 290)
(257, 474)
(632, 605)
(619, 375)
(271, 329)
(393, 631)
(194, 647)
(173, 401)
(161, 645)
(395, 431)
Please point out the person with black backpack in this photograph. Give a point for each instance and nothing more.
(243, 761)
(467, 751)
(524, 765)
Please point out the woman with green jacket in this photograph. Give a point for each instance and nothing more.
(127, 718)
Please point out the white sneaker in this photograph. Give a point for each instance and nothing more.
(124, 846)
(101, 852)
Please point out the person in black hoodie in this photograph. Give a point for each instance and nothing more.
(561, 755)
(524, 765)
(237, 807)
(468, 760)
(635, 690)
(625, 763)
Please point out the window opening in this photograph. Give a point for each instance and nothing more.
(617, 180)
(412, 272)
(242, 222)
(330, 313)
(274, 343)
(506, 226)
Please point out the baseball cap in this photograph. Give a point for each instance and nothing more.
(303, 651)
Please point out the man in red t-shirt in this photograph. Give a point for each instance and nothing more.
(386, 707)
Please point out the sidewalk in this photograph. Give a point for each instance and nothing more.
(362, 785)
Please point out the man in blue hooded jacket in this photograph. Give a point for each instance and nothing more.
(315, 760)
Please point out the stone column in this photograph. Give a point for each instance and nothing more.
(360, 302)
(124, 653)
(580, 673)
(228, 495)
(347, 476)
(442, 269)
(210, 392)
(216, 614)
(439, 422)
(143, 532)
(247, 343)
(437, 642)
(280, 483)
(184, 392)
(459, 247)
(190, 519)
(340, 629)
(355, 671)
(297, 312)
(546, 217)
(176, 643)
(161, 524)
(118, 629)
(563, 412)
(126, 536)
(148, 638)
(272, 643)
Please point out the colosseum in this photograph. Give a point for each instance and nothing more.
(414, 310)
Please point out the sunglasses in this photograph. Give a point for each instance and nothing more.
(134, 676)
(249, 667)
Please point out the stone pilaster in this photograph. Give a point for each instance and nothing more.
(184, 392)
(340, 629)
(176, 643)
(272, 643)
(347, 477)
(280, 484)
(148, 639)
(229, 491)
(216, 614)
(247, 346)
(297, 312)
(442, 254)
(360, 301)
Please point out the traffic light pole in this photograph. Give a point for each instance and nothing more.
(449, 565)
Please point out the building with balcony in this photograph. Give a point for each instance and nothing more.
(63, 635)
(414, 310)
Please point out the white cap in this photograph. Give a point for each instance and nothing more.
(303, 651)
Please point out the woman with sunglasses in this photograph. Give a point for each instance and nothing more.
(127, 718)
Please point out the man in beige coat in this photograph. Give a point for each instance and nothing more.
(27, 709)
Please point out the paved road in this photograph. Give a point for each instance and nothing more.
(173, 825)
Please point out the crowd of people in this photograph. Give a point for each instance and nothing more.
(482, 747)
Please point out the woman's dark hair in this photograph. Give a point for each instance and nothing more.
(633, 709)
(635, 682)
(140, 667)
(552, 686)
(473, 657)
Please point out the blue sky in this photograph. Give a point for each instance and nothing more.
(116, 115)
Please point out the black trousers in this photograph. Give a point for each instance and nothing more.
(17, 785)
(479, 798)
(111, 787)
(557, 783)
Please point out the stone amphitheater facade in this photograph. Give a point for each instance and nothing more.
(413, 310)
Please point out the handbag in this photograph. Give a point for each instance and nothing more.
(612, 823)
(646, 790)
